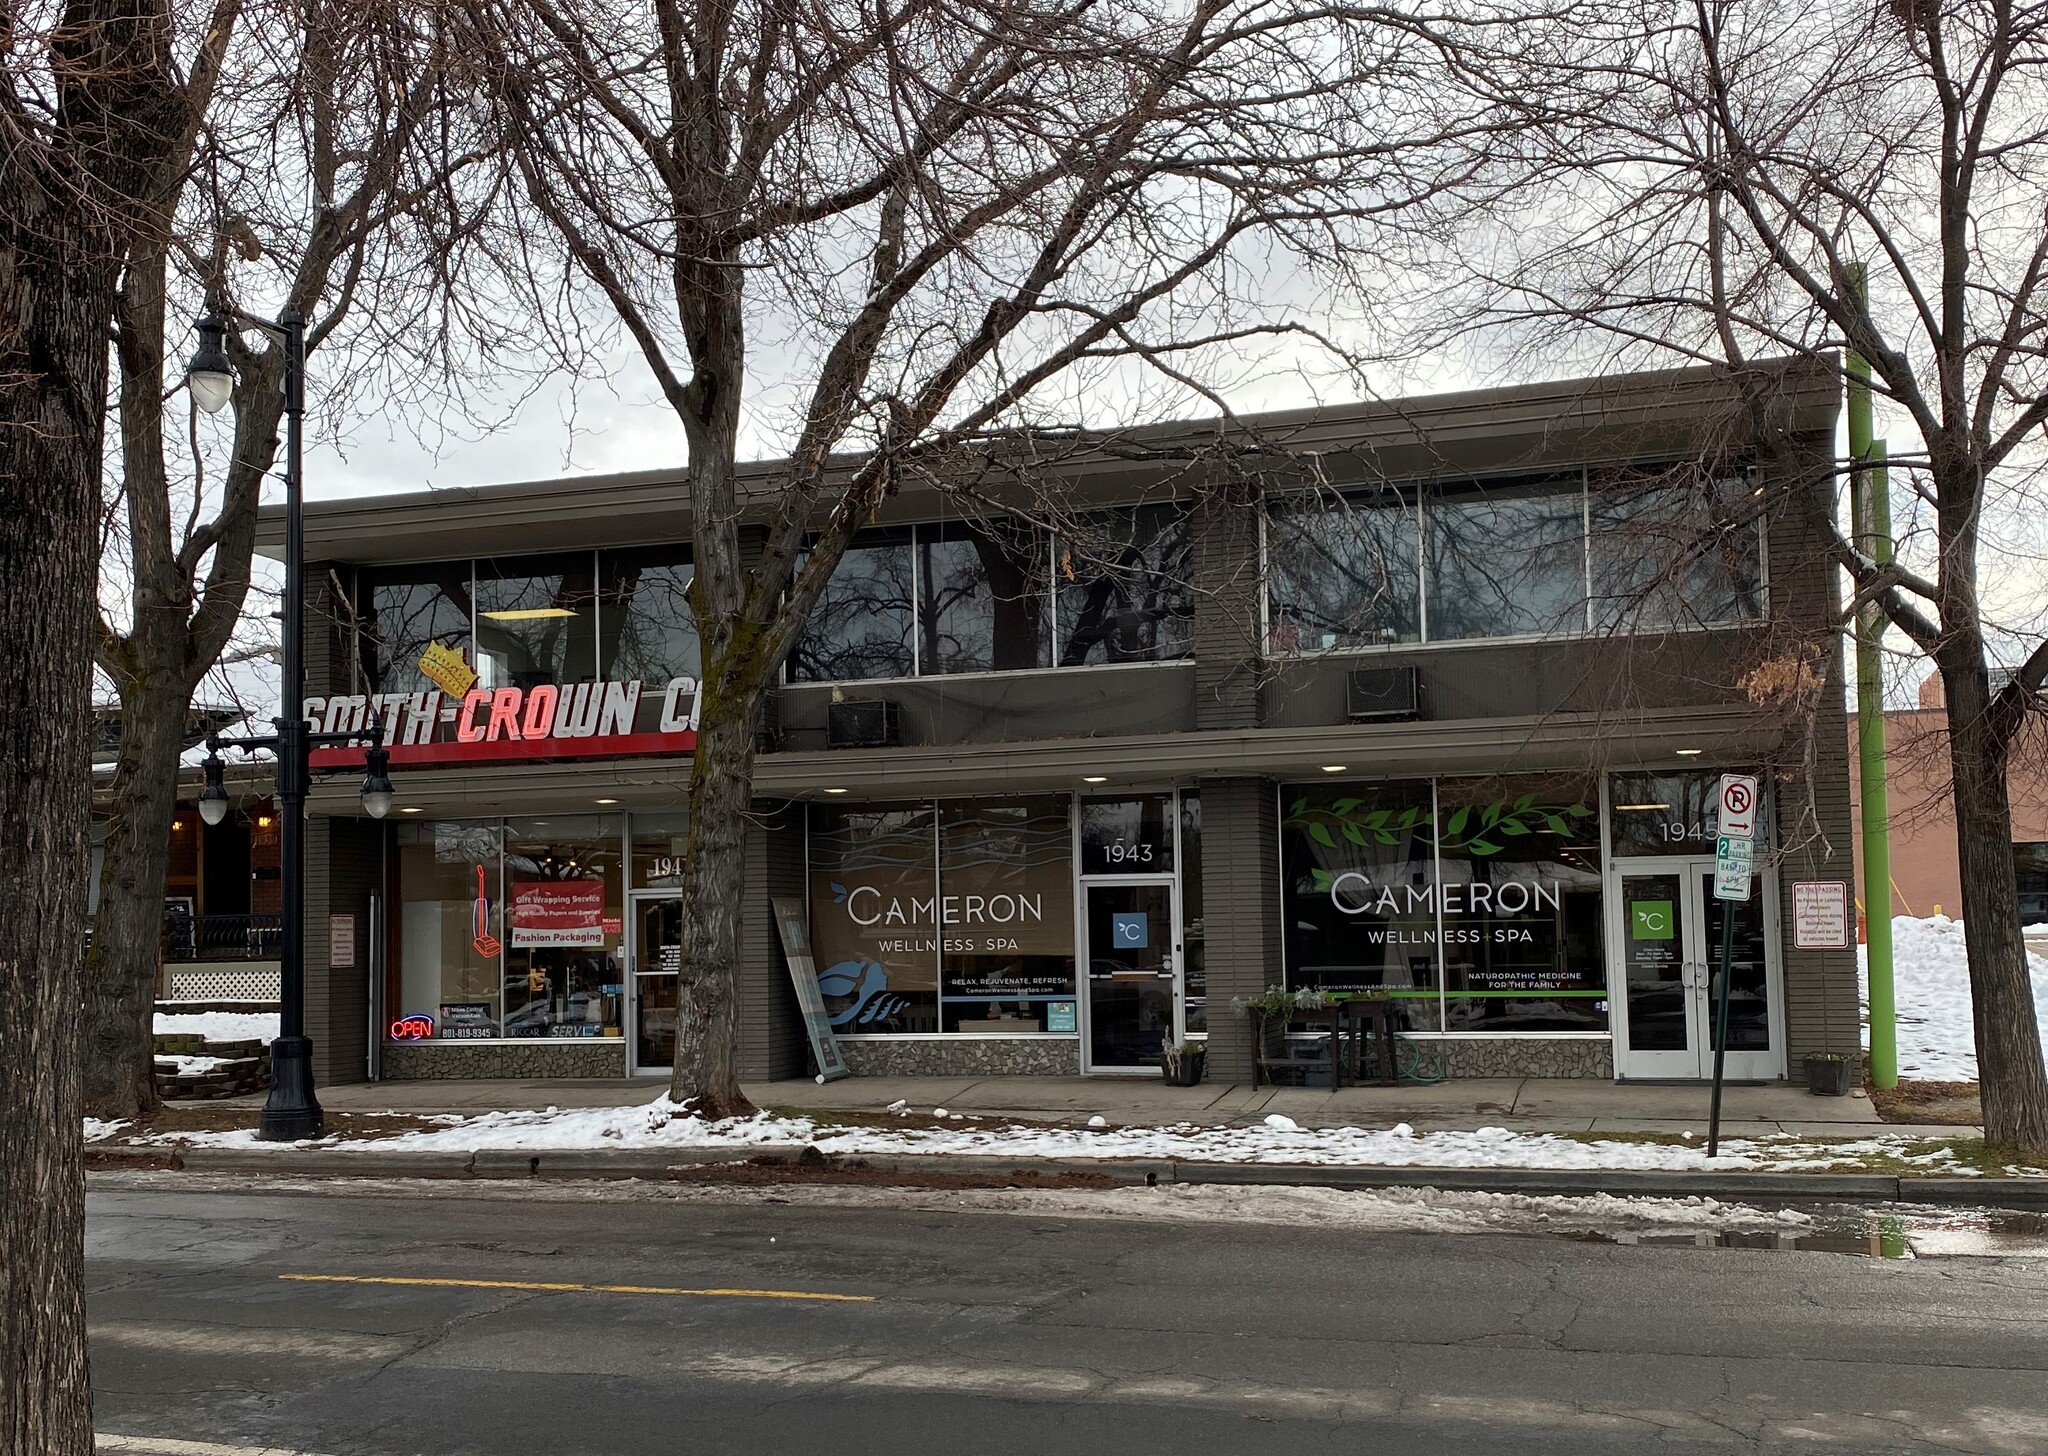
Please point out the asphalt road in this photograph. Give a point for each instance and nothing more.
(690, 1327)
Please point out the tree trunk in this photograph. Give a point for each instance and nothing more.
(127, 932)
(53, 392)
(714, 900)
(2011, 1080)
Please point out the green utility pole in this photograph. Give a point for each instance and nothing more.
(1870, 513)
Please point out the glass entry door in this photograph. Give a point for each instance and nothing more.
(1133, 973)
(1667, 931)
(657, 957)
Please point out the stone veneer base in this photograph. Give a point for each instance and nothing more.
(996, 1057)
(443, 1061)
(1509, 1056)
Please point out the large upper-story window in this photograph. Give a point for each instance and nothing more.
(532, 620)
(406, 610)
(536, 620)
(1522, 557)
(997, 596)
(645, 630)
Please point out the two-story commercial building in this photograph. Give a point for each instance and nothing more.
(1424, 698)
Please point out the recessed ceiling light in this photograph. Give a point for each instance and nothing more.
(1094, 778)
(1334, 767)
(1640, 808)
(835, 791)
(1690, 752)
(410, 809)
(528, 614)
(607, 801)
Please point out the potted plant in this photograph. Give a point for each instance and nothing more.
(1827, 1073)
(1182, 1065)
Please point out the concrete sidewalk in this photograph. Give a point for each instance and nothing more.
(1520, 1104)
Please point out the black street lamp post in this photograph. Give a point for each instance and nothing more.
(292, 1111)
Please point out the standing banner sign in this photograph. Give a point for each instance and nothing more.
(803, 975)
(1734, 863)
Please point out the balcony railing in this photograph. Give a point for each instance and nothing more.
(190, 938)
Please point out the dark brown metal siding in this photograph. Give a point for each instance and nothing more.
(1240, 912)
(772, 1045)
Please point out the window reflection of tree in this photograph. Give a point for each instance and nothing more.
(861, 627)
(1674, 548)
(1506, 561)
(1125, 587)
(984, 605)
(405, 616)
(530, 651)
(646, 629)
(1344, 573)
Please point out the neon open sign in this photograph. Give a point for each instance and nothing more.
(417, 1027)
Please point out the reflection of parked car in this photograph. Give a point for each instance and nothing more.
(537, 1015)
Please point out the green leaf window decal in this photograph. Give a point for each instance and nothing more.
(1498, 824)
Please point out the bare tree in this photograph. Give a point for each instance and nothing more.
(936, 219)
(1717, 180)
(92, 109)
(324, 168)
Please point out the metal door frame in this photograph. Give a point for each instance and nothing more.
(634, 900)
(1086, 1019)
(1697, 1062)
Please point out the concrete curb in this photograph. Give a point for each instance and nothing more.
(626, 1163)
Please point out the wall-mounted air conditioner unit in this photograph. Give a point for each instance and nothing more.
(1382, 692)
(863, 723)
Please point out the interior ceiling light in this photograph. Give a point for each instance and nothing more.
(410, 809)
(1640, 808)
(1094, 778)
(1334, 767)
(1690, 752)
(835, 791)
(607, 801)
(529, 614)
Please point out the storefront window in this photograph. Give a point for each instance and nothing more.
(1675, 548)
(1125, 587)
(982, 598)
(1345, 571)
(875, 916)
(1506, 560)
(1481, 895)
(1676, 813)
(450, 931)
(536, 621)
(564, 966)
(1518, 877)
(405, 612)
(646, 632)
(864, 624)
(1006, 908)
(1358, 872)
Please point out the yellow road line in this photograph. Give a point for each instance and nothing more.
(541, 1288)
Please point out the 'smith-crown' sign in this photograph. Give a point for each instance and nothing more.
(503, 724)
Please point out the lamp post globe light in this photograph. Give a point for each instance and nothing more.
(291, 1111)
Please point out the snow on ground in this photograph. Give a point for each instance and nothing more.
(219, 1025)
(1392, 1210)
(1931, 977)
(183, 1066)
(661, 1125)
(98, 1131)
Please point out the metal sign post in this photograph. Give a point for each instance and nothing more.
(1734, 861)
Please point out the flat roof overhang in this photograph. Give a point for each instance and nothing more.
(1559, 741)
